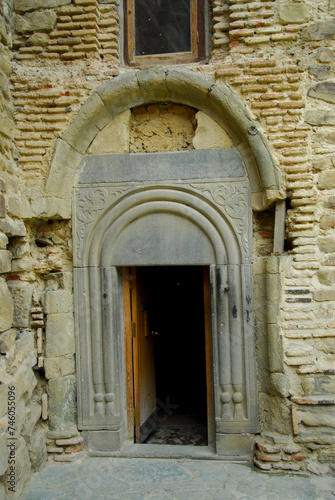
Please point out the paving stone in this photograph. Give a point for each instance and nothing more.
(137, 478)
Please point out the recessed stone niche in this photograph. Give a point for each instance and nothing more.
(159, 127)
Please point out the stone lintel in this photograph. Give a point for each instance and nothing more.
(193, 164)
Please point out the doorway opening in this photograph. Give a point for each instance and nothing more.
(169, 355)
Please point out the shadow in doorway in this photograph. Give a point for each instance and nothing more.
(175, 304)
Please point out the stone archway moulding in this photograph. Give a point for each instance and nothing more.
(155, 217)
(136, 88)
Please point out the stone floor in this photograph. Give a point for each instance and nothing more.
(195, 435)
(171, 479)
(180, 429)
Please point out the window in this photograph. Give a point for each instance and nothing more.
(164, 31)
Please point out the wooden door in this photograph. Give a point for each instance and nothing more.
(140, 357)
(209, 358)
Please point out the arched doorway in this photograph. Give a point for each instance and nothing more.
(210, 207)
(165, 222)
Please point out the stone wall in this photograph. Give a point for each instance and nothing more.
(278, 57)
(22, 433)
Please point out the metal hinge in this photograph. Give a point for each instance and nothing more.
(133, 330)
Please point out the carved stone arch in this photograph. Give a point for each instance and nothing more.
(136, 88)
(213, 234)
(143, 221)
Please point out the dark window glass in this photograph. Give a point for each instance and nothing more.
(162, 26)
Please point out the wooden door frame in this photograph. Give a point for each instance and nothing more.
(131, 351)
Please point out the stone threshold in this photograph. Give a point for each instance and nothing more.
(329, 399)
(131, 450)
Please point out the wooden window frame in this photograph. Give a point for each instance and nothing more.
(198, 48)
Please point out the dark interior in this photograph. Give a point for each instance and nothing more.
(175, 305)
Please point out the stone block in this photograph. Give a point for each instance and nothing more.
(330, 203)
(114, 138)
(22, 300)
(60, 181)
(24, 378)
(62, 403)
(324, 295)
(30, 5)
(37, 448)
(5, 39)
(70, 442)
(14, 205)
(59, 335)
(319, 31)
(20, 414)
(275, 349)
(326, 244)
(324, 91)
(33, 414)
(120, 94)
(92, 117)
(3, 241)
(24, 347)
(294, 12)
(96, 441)
(2, 205)
(326, 276)
(231, 445)
(6, 307)
(59, 367)
(19, 248)
(327, 221)
(12, 227)
(325, 55)
(329, 260)
(320, 71)
(36, 21)
(3, 453)
(3, 394)
(327, 179)
(5, 60)
(153, 85)
(190, 89)
(5, 261)
(58, 208)
(318, 418)
(3, 493)
(7, 341)
(319, 117)
(24, 264)
(280, 384)
(38, 40)
(57, 281)
(209, 134)
(59, 301)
